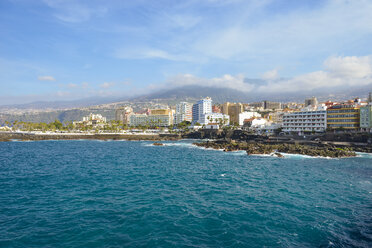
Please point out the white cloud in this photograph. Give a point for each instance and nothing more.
(350, 67)
(46, 78)
(149, 53)
(107, 85)
(270, 75)
(333, 26)
(348, 71)
(74, 11)
(226, 81)
(247, 31)
(341, 72)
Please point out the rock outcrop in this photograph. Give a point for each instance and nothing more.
(277, 149)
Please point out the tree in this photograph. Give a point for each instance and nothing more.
(57, 124)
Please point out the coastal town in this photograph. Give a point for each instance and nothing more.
(324, 129)
(265, 117)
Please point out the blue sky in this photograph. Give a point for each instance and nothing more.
(71, 49)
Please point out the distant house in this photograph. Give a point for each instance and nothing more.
(92, 120)
(255, 122)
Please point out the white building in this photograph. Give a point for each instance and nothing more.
(157, 118)
(247, 115)
(183, 112)
(255, 122)
(214, 118)
(305, 121)
(201, 108)
(94, 118)
(212, 126)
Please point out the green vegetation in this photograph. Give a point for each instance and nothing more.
(61, 115)
(68, 126)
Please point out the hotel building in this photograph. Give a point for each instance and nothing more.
(366, 115)
(201, 108)
(366, 118)
(202, 113)
(233, 110)
(156, 118)
(305, 121)
(346, 115)
(183, 112)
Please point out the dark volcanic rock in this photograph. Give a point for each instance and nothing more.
(277, 149)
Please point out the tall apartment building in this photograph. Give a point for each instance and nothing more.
(305, 121)
(233, 110)
(183, 112)
(257, 104)
(366, 117)
(272, 105)
(345, 115)
(201, 108)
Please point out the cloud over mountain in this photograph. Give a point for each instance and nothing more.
(341, 72)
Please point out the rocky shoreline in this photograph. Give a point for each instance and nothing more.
(277, 149)
(228, 141)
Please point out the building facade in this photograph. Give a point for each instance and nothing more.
(276, 117)
(343, 116)
(123, 113)
(233, 110)
(183, 112)
(305, 121)
(255, 123)
(366, 118)
(219, 118)
(156, 118)
(247, 115)
(201, 108)
(272, 105)
(93, 119)
(257, 105)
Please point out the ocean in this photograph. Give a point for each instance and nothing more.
(89, 193)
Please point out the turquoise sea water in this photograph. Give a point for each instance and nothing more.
(133, 194)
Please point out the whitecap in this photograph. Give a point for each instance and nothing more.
(364, 155)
